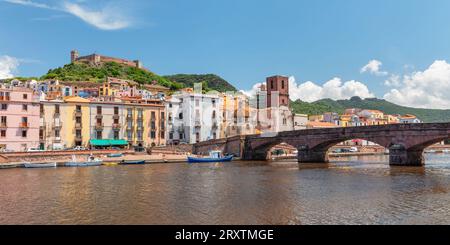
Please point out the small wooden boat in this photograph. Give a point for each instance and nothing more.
(40, 165)
(207, 159)
(91, 162)
(214, 156)
(132, 162)
(110, 164)
(115, 155)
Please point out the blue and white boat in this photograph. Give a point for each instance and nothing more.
(40, 165)
(214, 156)
(91, 162)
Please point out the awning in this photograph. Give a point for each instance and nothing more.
(108, 142)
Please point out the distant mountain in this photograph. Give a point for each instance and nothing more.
(328, 105)
(213, 82)
(79, 71)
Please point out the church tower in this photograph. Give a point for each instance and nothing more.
(277, 86)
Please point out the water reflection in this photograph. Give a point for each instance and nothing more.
(362, 190)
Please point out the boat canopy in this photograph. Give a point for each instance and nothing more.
(107, 142)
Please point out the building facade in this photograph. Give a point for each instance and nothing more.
(19, 113)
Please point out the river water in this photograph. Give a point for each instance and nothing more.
(356, 190)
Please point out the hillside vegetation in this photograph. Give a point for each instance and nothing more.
(213, 82)
(328, 105)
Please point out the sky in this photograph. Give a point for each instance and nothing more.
(397, 50)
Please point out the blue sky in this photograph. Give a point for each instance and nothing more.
(324, 44)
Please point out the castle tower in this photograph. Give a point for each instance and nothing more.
(74, 55)
(277, 86)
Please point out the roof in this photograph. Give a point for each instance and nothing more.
(321, 124)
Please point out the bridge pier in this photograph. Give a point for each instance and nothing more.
(400, 156)
(306, 155)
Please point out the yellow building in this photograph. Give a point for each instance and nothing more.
(76, 117)
(345, 120)
(316, 118)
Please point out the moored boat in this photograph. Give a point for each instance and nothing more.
(132, 162)
(115, 155)
(40, 165)
(214, 156)
(91, 162)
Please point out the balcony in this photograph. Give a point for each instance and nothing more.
(99, 126)
(5, 98)
(116, 117)
(198, 124)
(78, 114)
(99, 116)
(57, 140)
(116, 126)
(3, 125)
(78, 126)
(78, 138)
(24, 125)
(129, 116)
(56, 115)
(130, 127)
(140, 127)
(215, 125)
(57, 125)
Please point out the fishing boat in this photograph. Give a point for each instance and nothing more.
(91, 162)
(214, 156)
(115, 155)
(40, 165)
(110, 164)
(132, 162)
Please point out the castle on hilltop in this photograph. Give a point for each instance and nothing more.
(97, 59)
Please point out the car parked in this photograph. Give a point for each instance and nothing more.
(79, 148)
(34, 150)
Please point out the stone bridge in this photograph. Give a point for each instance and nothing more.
(406, 142)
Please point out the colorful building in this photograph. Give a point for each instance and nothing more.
(19, 113)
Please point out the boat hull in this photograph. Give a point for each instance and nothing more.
(83, 164)
(209, 160)
(37, 165)
(115, 155)
(132, 162)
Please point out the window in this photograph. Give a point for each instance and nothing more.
(197, 102)
(153, 134)
(25, 96)
(153, 116)
(170, 135)
(78, 133)
(163, 134)
(116, 135)
(3, 133)
(24, 133)
(214, 115)
(181, 136)
(271, 85)
(24, 107)
(99, 110)
(282, 84)
(56, 109)
(24, 120)
(78, 108)
(99, 135)
(170, 105)
(57, 133)
(3, 121)
(4, 107)
(116, 110)
(41, 108)
(214, 136)
(130, 135)
(78, 120)
(180, 116)
(213, 103)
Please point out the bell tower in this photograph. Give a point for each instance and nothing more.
(277, 86)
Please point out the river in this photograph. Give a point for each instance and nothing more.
(355, 190)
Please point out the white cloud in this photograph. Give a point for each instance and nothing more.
(8, 66)
(393, 81)
(334, 89)
(106, 18)
(424, 89)
(374, 67)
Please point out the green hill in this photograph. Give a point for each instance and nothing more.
(328, 105)
(84, 72)
(213, 82)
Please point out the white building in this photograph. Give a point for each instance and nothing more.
(300, 121)
(193, 117)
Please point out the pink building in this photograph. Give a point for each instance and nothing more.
(20, 118)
